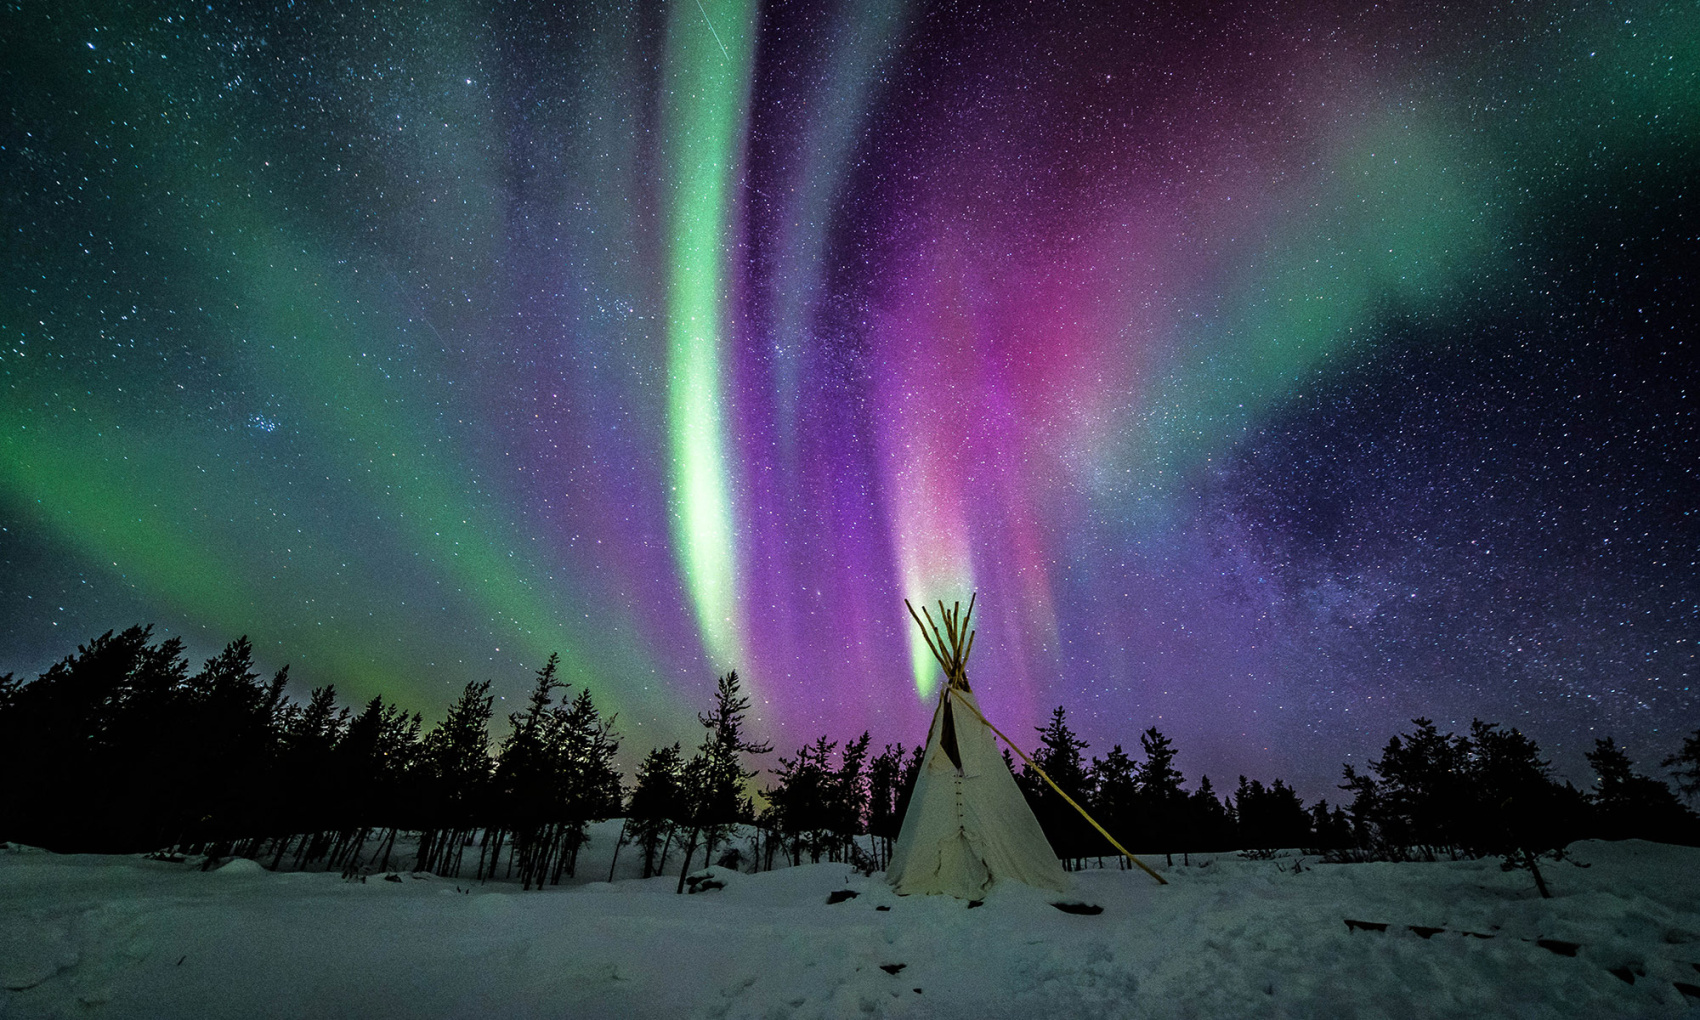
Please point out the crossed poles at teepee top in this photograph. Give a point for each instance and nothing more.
(949, 648)
(952, 651)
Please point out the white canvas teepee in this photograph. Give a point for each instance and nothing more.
(967, 825)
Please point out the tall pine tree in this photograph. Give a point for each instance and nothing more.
(1059, 754)
(716, 775)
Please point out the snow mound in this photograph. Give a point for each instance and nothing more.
(238, 866)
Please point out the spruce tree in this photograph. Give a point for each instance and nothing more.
(1210, 822)
(656, 804)
(234, 717)
(1330, 829)
(1115, 796)
(885, 797)
(1685, 765)
(1162, 804)
(1414, 795)
(1516, 811)
(524, 795)
(1270, 817)
(308, 766)
(1059, 755)
(376, 760)
(457, 761)
(102, 734)
(849, 805)
(800, 804)
(1629, 805)
(585, 749)
(716, 775)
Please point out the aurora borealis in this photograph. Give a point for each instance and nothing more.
(1275, 375)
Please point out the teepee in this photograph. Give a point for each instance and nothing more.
(967, 826)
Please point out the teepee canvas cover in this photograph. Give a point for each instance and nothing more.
(967, 825)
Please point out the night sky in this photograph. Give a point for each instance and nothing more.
(1276, 373)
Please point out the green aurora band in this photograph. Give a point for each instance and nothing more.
(176, 519)
(710, 49)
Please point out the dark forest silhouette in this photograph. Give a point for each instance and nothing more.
(121, 748)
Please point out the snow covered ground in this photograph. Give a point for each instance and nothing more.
(85, 936)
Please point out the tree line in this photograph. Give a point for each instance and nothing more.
(127, 749)
(1485, 793)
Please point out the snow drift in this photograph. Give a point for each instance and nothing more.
(90, 936)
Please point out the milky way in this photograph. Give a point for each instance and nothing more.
(1275, 376)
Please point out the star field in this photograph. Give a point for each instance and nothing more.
(1275, 374)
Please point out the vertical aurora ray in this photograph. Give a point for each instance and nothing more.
(929, 405)
(710, 47)
(854, 66)
(685, 337)
(816, 561)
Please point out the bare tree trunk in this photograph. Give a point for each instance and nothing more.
(666, 847)
(494, 841)
(282, 848)
(690, 851)
(619, 841)
(387, 845)
(1535, 869)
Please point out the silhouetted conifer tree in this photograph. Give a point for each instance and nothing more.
(1114, 784)
(1210, 822)
(1330, 829)
(1413, 798)
(376, 765)
(716, 776)
(1630, 805)
(1161, 801)
(95, 734)
(1685, 765)
(656, 803)
(1518, 812)
(800, 804)
(457, 764)
(850, 797)
(136, 753)
(886, 799)
(234, 718)
(1487, 793)
(585, 748)
(817, 808)
(1059, 755)
(1270, 817)
(311, 794)
(525, 782)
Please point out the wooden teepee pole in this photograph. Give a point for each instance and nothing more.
(939, 656)
(946, 645)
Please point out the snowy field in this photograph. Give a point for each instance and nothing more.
(85, 936)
